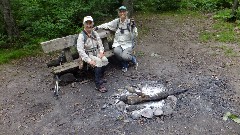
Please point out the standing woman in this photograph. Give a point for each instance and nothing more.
(91, 50)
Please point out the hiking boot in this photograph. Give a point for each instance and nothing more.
(124, 66)
(124, 69)
(136, 66)
(134, 61)
(101, 89)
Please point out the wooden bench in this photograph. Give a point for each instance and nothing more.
(65, 43)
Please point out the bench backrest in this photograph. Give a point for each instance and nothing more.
(65, 42)
(59, 43)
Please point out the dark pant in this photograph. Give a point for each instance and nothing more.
(99, 73)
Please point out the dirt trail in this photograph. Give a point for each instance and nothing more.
(170, 53)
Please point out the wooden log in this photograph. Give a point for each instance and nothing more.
(135, 99)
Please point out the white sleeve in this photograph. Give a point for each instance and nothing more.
(110, 25)
(81, 50)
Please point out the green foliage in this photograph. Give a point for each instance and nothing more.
(206, 5)
(222, 32)
(56, 18)
(10, 54)
(156, 5)
(231, 116)
(223, 14)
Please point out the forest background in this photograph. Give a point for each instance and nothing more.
(26, 23)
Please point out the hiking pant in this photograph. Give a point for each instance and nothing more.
(99, 73)
(123, 55)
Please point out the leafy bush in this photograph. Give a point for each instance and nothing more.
(206, 5)
(223, 14)
(55, 18)
(156, 5)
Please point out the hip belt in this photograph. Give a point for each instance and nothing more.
(92, 51)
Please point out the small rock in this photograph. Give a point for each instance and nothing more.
(154, 55)
(104, 106)
(130, 89)
(135, 115)
(158, 112)
(139, 86)
(73, 85)
(126, 120)
(170, 105)
(121, 106)
(147, 113)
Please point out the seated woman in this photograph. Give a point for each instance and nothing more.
(91, 50)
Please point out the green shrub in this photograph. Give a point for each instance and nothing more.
(156, 5)
(206, 5)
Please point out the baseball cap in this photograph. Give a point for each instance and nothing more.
(122, 8)
(87, 18)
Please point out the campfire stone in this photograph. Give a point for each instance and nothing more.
(135, 114)
(170, 105)
(149, 108)
(158, 111)
(147, 113)
(121, 106)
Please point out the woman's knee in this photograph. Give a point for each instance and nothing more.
(126, 57)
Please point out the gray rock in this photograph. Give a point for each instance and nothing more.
(170, 105)
(158, 111)
(131, 108)
(121, 106)
(147, 113)
(135, 114)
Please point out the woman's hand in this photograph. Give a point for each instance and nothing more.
(93, 63)
(101, 54)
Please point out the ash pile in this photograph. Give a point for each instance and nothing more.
(145, 100)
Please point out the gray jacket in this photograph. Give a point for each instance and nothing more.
(124, 39)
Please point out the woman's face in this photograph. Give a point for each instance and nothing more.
(88, 25)
(122, 14)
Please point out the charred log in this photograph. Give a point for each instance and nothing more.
(135, 99)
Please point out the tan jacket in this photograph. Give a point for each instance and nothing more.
(89, 44)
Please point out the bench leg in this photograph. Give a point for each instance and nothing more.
(56, 87)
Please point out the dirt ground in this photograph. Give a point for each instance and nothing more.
(169, 53)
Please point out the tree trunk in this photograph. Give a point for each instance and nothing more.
(10, 24)
(234, 11)
(129, 5)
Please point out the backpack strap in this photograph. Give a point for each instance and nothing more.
(84, 36)
(93, 36)
(128, 24)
